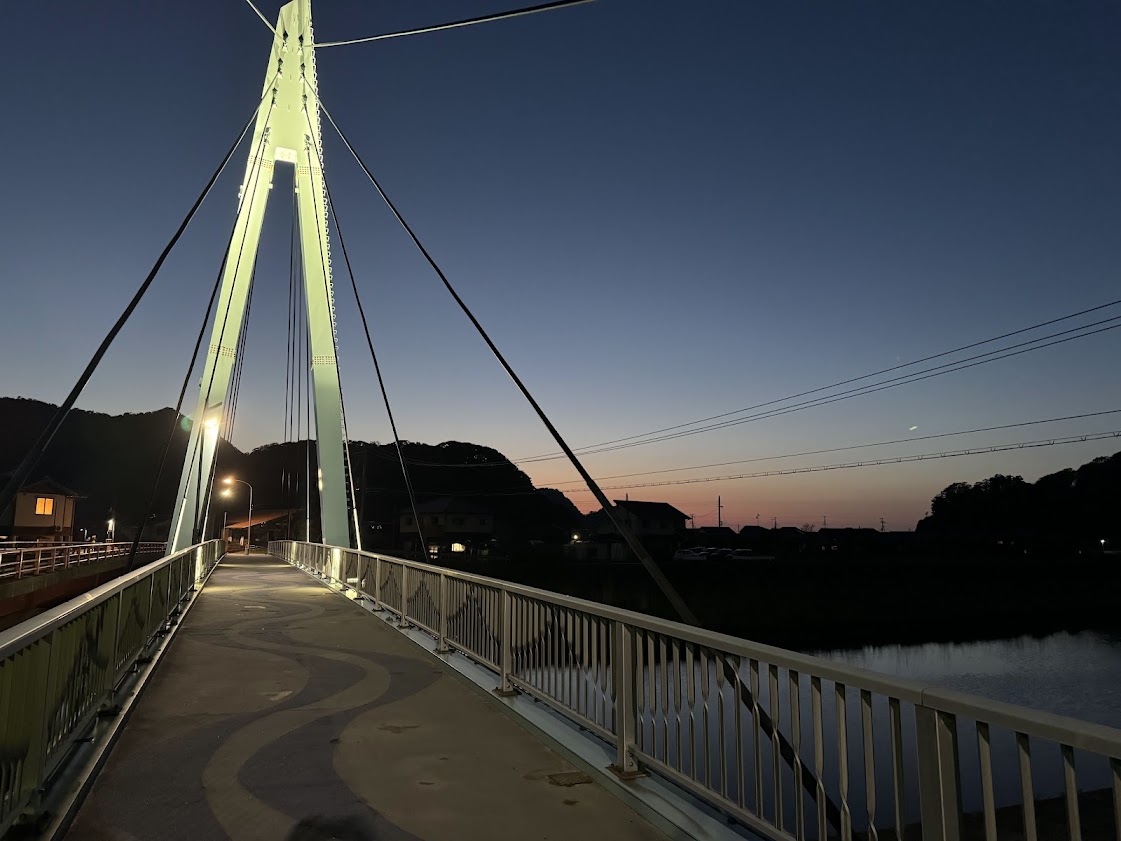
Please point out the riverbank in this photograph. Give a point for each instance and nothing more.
(837, 603)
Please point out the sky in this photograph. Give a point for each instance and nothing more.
(661, 212)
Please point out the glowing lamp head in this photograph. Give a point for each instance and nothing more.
(229, 480)
(210, 424)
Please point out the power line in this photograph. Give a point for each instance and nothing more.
(838, 384)
(872, 388)
(853, 446)
(528, 10)
(972, 451)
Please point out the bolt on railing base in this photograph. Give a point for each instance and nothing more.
(636, 774)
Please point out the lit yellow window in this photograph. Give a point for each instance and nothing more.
(44, 505)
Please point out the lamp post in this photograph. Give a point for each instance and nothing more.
(229, 480)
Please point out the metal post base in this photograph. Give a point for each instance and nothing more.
(626, 775)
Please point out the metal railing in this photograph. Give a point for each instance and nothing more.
(59, 669)
(790, 745)
(47, 557)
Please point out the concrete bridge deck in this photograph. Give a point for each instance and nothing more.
(282, 711)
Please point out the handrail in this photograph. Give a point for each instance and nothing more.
(51, 557)
(58, 669)
(673, 700)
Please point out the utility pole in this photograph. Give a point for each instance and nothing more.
(774, 525)
(719, 509)
(881, 523)
(756, 521)
(824, 522)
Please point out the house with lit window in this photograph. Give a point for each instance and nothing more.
(42, 511)
(450, 526)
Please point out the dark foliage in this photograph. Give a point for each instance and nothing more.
(111, 461)
(1071, 509)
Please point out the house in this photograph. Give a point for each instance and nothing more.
(657, 525)
(42, 511)
(449, 525)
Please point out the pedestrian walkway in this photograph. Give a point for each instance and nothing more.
(284, 711)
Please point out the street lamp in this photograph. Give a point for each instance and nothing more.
(229, 480)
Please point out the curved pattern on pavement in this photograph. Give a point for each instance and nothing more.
(283, 711)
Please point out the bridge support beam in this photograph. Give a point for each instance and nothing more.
(287, 132)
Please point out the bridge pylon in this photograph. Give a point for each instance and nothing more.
(287, 132)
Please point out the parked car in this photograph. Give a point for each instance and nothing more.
(742, 554)
(688, 555)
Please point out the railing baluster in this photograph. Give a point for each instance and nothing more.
(819, 757)
(1070, 781)
(706, 729)
(720, 728)
(1023, 746)
(869, 762)
(1115, 772)
(895, 718)
(664, 703)
(796, 742)
(757, 737)
(691, 700)
(736, 664)
(988, 801)
(843, 760)
(679, 762)
(776, 754)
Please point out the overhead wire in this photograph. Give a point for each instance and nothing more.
(969, 451)
(514, 13)
(838, 384)
(910, 440)
(872, 388)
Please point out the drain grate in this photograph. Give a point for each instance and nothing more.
(569, 779)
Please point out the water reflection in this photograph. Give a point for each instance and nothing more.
(1078, 675)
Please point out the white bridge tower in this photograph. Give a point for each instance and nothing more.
(287, 133)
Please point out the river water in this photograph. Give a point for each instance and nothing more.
(1078, 675)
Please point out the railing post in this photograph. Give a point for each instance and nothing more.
(626, 715)
(506, 646)
(404, 595)
(377, 582)
(939, 775)
(442, 641)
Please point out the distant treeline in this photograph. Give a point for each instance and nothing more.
(1069, 510)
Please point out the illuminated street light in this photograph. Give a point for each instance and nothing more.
(229, 480)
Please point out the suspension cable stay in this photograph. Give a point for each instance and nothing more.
(20, 474)
(440, 27)
(377, 370)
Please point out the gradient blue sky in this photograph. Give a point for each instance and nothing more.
(661, 210)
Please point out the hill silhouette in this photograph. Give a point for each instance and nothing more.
(111, 460)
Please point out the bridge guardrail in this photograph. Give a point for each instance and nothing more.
(42, 558)
(58, 669)
(754, 730)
